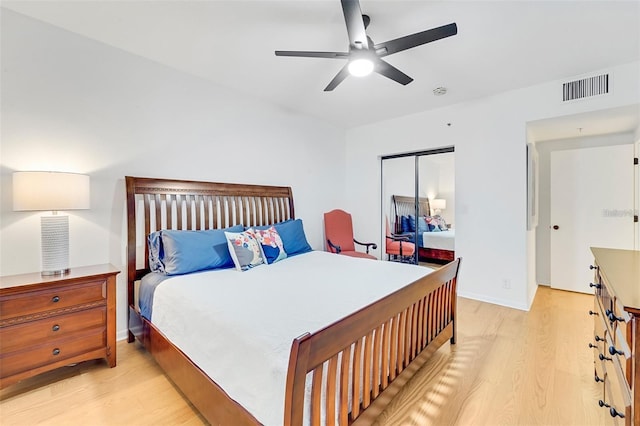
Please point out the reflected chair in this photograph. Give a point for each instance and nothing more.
(399, 248)
(338, 230)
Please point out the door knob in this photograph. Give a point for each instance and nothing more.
(556, 227)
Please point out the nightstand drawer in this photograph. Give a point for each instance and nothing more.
(51, 351)
(28, 334)
(55, 298)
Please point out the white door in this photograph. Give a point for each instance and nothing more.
(591, 206)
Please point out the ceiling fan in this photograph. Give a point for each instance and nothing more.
(364, 56)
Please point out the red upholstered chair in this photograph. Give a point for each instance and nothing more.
(338, 230)
(398, 247)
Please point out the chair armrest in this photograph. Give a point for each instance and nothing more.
(396, 237)
(333, 246)
(372, 245)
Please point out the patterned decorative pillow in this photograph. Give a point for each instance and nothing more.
(432, 223)
(441, 223)
(245, 250)
(271, 243)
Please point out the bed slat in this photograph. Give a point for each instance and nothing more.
(376, 362)
(344, 386)
(316, 396)
(331, 391)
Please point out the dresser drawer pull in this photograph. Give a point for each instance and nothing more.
(593, 313)
(603, 404)
(592, 346)
(56, 351)
(602, 358)
(614, 351)
(599, 339)
(615, 413)
(598, 379)
(55, 328)
(55, 299)
(613, 318)
(593, 267)
(595, 285)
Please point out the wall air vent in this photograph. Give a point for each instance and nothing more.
(586, 87)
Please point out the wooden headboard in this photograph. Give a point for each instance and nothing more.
(190, 205)
(404, 206)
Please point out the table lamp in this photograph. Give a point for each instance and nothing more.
(54, 191)
(438, 204)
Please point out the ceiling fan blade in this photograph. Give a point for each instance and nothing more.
(407, 42)
(339, 78)
(304, 54)
(389, 71)
(355, 24)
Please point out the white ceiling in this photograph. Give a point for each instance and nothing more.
(500, 45)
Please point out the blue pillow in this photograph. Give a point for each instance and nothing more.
(293, 238)
(423, 226)
(412, 223)
(174, 252)
(404, 224)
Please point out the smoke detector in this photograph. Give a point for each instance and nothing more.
(439, 91)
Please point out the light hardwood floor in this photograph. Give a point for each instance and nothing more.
(509, 367)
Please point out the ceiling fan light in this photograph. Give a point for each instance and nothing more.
(360, 67)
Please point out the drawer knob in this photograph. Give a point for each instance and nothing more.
(56, 351)
(55, 327)
(598, 379)
(615, 413)
(55, 299)
(602, 403)
(614, 318)
(593, 267)
(602, 358)
(599, 339)
(598, 286)
(592, 346)
(593, 313)
(614, 351)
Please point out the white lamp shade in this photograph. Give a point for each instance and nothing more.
(50, 191)
(438, 204)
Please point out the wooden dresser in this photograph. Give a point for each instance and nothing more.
(616, 341)
(49, 322)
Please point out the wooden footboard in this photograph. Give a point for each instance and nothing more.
(360, 355)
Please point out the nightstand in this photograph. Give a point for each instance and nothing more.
(50, 322)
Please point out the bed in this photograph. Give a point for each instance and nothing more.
(333, 373)
(437, 247)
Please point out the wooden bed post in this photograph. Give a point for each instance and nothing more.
(454, 303)
(296, 373)
(131, 248)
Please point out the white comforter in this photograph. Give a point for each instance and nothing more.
(443, 240)
(250, 318)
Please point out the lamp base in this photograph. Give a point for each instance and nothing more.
(55, 244)
(54, 273)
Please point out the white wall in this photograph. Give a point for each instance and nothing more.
(489, 136)
(398, 178)
(442, 185)
(73, 104)
(543, 234)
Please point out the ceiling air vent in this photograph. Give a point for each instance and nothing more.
(583, 88)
